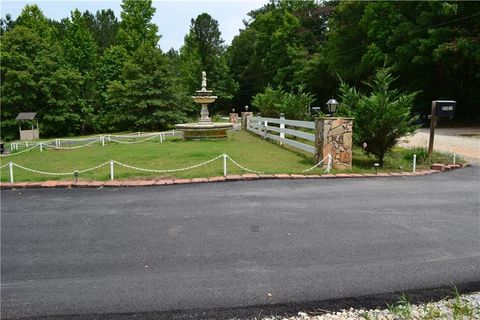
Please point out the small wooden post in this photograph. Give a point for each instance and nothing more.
(433, 120)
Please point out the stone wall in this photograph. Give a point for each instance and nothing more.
(334, 136)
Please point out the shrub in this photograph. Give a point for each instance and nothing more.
(382, 116)
(273, 102)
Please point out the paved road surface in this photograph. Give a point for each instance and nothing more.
(130, 250)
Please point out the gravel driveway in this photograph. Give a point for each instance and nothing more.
(462, 141)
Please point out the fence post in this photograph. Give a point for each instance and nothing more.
(138, 133)
(10, 165)
(282, 126)
(26, 144)
(102, 138)
(266, 129)
(56, 143)
(329, 164)
(109, 138)
(454, 158)
(160, 137)
(41, 147)
(112, 176)
(224, 164)
(414, 166)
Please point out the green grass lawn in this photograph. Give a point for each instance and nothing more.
(245, 148)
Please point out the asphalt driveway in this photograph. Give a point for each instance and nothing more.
(223, 245)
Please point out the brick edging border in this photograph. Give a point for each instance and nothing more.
(436, 168)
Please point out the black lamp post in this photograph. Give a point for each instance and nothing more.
(332, 106)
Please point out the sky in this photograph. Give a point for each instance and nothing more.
(172, 17)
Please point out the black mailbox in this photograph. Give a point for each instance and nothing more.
(445, 108)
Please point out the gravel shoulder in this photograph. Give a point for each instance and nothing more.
(464, 142)
(465, 306)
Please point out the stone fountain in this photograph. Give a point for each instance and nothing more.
(204, 128)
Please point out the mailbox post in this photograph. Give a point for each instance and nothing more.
(440, 109)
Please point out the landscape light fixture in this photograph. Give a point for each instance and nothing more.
(332, 106)
(75, 175)
(376, 165)
(246, 108)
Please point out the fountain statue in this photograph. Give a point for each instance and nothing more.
(204, 128)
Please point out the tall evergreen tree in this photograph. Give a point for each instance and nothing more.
(136, 27)
(147, 97)
(203, 50)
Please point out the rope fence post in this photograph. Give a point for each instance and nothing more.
(414, 166)
(224, 164)
(10, 165)
(112, 176)
(102, 138)
(160, 137)
(26, 144)
(329, 163)
(282, 127)
(41, 147)
(454, 158)
(109, 138)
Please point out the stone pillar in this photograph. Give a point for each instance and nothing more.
(245, 115)
(334, 135)
(233, 117)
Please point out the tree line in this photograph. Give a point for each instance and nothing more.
(95, 72)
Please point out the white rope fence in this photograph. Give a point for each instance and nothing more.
(242, 167)
(329, 164)
(167, 170)
(75, 173)
(57, 143)
(70, 148)
(131, 142)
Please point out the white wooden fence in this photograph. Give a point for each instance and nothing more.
(264, 128)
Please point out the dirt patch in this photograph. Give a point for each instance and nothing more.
(464, 142)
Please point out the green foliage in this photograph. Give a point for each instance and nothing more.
(104, 27)
(273, 102)
(402, 308)
(460, 308)
(36, 79)
(136, 28)
(69, 71)
(147, 97)
(281, 46)
(382, 116)
(432, 46)
(204, 51)
(80, 49)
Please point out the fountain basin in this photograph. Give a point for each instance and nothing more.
(204, 99)
(204, 131)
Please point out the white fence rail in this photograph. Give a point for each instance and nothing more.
(263, 127)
